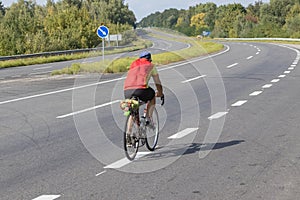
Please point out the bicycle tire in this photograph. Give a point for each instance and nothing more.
(152, 132)
(131, 149)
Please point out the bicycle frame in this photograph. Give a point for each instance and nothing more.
(132, 141)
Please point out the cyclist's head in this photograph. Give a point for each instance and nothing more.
(146, 54)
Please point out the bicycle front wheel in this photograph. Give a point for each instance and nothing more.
(131, 141)
(152, 131)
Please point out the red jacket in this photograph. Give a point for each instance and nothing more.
(139, 74)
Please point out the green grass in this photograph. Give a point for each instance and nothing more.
(120, 65)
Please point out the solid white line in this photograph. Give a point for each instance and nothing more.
(121, 163)
(87, 109)
(183, 133)
(48, 67)
(267, 86)
(255, 93)
(275, 80)
(192, 79)
(230, 66)
(217, 115)
(249, 57)
(239, 103)
(47, 197)
(281, 76)
(59, 91)
(100, 173)
(287, 72)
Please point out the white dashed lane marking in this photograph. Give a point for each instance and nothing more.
(287, 72)
(183, 133)
(230, 66)
(47, 197)
(275, 80)
(192, 79)
(255, 93)
(217, 115)
(249, 57)
(121, 163)
(239, 103)
(100, 173)
(267, 86)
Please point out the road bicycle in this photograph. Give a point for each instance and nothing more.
(138, 130)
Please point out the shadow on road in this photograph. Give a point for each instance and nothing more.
(183, 149)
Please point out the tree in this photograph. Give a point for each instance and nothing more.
(226, 20)
(2, 9)
(197, 21)
(293, 21)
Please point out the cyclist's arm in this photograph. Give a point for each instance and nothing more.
(158, 85)
(157, 82)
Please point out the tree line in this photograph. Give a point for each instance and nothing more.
(279, 18)
(26, 27)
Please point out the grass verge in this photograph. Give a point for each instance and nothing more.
(197, 48)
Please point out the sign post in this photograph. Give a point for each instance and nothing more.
(103, 33)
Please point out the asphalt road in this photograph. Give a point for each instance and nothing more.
(229, 130)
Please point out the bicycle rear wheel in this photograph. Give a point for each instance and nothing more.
(152, 131)
(131, 141)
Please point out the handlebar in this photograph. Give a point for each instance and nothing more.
(162, 100)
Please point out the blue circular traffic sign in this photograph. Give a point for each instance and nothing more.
(102, 32)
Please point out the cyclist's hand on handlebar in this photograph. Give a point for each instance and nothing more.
(159, 94)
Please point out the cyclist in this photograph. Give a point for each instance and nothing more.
(137, 81)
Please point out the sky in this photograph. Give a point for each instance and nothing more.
(143, 8)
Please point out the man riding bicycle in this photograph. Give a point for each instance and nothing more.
(137, 81)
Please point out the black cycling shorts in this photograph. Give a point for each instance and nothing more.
(143, 94)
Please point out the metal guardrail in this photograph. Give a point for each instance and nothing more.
(56, 53)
